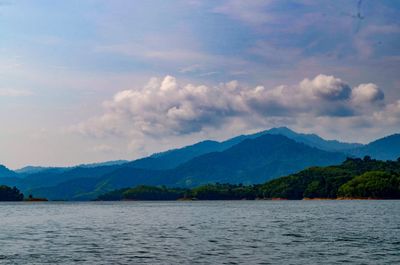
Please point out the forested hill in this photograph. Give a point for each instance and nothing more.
(10, 194)
(354, 178)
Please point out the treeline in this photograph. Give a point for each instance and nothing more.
(13, 194)
(206, 192)
(10, 194)
(355, 178)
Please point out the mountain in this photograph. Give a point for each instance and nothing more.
(53, 176)
(250, 161)
(173, 158)
(7, 173)
(254, 161)
(247, 159)
(386, 148)
(107, 163)
(313, 140)
(36, 169)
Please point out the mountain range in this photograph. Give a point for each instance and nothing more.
(246, 159)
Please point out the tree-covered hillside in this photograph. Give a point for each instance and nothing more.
(355, 178)
(10, 194)
(325, 182)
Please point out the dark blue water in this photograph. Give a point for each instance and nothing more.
(224, 232)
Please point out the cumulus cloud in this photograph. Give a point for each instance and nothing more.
(327, 88)
(367, 94)
(389, 115)
(167, 108)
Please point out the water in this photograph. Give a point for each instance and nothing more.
(213, 232)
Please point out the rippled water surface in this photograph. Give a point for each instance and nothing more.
(215, 232)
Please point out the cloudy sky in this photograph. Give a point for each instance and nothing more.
(84, 81)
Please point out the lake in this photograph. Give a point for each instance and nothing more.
(201, 232)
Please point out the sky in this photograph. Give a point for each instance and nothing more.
(89, 80)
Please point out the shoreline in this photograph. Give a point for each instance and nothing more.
(346, 199)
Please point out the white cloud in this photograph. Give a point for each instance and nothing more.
(389, 116)
(165, 108)
(326, 88)
(367, 94)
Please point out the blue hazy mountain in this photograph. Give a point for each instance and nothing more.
(199, 163)
(54, 176)
(28, 170)
(7, 173)
(254, 161)
(250, 161)
(313, 140)
(173, 158)
(386, 148)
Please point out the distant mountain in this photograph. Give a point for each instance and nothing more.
(254, 161)
(173, 158)
(101, 164)
(313, 140)
(246, 159)
(36, 169)
(387, 148)
(49, 177)
(250, 161)
(6, 173)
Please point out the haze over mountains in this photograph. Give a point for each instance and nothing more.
(246, 159)
(6, 173)
(386, 148)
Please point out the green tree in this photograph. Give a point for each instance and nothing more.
(10, 194)
(373, 184)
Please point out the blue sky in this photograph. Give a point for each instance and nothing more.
(84, 81)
